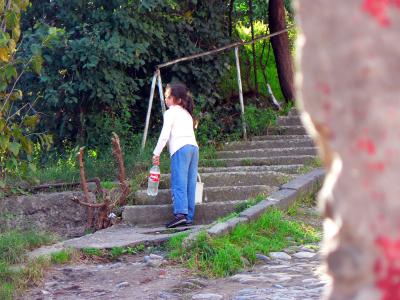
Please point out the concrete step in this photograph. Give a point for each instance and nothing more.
(304, 142)
(260, 161)
(234, 178)
(210, 194)
(270, 152)
(270, 137)
(286, 130)
(150, 215)
(293, 112)
(291, 169)
(288, 121)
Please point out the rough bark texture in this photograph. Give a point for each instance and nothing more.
(253, 46)
(350, 93)
(280, 45)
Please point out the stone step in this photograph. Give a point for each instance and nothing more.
(210, 194)
(293, 112)
(304, 142)
(270, 137)
(150, 215)
(270, 152)
(288, 121)
(234, 178)
(286, 130)
(260, 161)
(291, 169)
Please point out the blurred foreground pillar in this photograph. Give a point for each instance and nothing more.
(349, 81)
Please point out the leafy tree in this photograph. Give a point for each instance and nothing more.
(17, 119)
(96, 78)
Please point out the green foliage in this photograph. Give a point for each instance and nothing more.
(92, 251)
(18, 118)
(119, 251)
(310, 165)
(259, 119)
(260, 10)
(223, 256)
(13, 244)
(61, 257)
(96, 78)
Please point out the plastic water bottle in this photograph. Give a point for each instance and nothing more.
(154, 180)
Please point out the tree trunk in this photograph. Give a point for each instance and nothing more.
(253, 46)
(231, 3)
(280, 45)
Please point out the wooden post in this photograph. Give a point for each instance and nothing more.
(239, 79)
(146, 127)
(160, 90)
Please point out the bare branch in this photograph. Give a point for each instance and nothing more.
(121, 176)
(85, 186)
(90, 205)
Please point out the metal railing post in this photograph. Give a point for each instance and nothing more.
(160, 90)
(239, 79)
(146, 127)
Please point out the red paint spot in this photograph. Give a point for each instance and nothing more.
(378, 196)
(387, 267)
(366, 144)
(378, 10)
(324, 88)
(376, 166)
(327, 106)
(365, 183)
(366, 71)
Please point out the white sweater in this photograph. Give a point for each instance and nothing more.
(177, 130)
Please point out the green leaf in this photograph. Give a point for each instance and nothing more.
(16, 33)
(11, 19)
(4, 141)
(37, 62)
(2, 184)
(14, 148)
(31, 121)
(11, 72)
(27, 145)
(32, 167)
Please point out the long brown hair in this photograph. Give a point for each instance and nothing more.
(181, 96)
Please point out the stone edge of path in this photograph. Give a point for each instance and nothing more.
(287, 194)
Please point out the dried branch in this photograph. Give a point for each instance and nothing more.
(91, 205)
(105, 208)
(85, 187)
(121, 176)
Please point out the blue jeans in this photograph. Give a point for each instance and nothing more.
(184, 164)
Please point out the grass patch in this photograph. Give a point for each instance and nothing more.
(14, 244)
(61, 257)
(310, 165)
(13, 247)
(112, 253)
(224, 256)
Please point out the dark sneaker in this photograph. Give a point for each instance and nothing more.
(178, 221)
(189, 223)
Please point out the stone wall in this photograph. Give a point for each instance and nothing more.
(53, 212)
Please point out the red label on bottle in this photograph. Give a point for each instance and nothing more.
(155, 177)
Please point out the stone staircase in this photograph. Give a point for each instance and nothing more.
(242, 171)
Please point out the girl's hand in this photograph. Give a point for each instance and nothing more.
(156, 160)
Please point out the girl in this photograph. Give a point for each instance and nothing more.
(179, 133)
